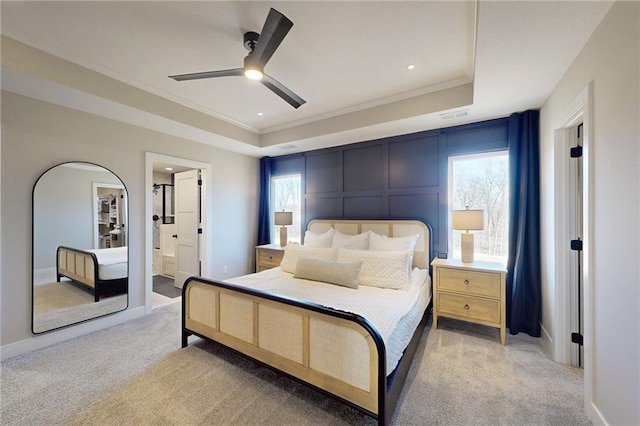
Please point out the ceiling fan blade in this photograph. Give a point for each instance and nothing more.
(273, 32)
(279, 89)
(208, 74)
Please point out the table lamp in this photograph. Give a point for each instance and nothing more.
(467, 220)
(283, 219)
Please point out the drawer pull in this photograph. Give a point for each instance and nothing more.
(466, 307)
(466, 282)
(270, 257)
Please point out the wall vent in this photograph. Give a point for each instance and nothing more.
(287, 146)
(454, 114)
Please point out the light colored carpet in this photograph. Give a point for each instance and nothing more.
(136, 374)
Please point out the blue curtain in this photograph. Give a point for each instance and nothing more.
(264, 222)
(524, 288)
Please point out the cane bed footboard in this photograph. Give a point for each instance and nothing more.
(290, 336)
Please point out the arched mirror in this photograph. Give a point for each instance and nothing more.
(80, 257)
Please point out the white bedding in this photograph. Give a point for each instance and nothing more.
(112, 262)
(394, 313)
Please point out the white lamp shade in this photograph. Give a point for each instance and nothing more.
(284, 218)
(467, 220)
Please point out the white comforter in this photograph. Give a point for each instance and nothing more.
(394, 313)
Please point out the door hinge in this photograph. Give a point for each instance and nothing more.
(576, 151)
(199, 230)
(576, 245)
(199, 182)
(577, 338)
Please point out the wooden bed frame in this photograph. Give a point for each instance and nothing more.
(244, 319)
(82, 266)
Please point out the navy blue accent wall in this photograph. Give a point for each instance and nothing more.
(397, 177)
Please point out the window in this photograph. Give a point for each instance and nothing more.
(481, 181)
(286, 195)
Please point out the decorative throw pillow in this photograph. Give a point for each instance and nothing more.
(379, 242)
(293, 251)
(328, 271)
(318, 240)
(359, 241)
(385, 269)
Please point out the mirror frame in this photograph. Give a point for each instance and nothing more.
(33, 238)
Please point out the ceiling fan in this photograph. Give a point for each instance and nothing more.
(261, 47)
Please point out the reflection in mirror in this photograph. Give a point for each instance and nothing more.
(80, 258)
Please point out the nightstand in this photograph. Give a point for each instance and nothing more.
(473, 292)
(268, 256)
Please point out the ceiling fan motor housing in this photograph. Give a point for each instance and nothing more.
(250, 40)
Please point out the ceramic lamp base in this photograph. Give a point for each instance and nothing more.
(283, 236)
(466, 247)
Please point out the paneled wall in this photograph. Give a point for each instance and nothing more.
(399, 177)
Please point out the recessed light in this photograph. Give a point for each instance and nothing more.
(168, 169)
(410, 66)
(260, 114)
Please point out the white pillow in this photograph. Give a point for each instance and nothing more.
(385, 269)
(328, 271)
(359, 241)
(418, 277)
(379, 242)
(293, 250)
(318, 240)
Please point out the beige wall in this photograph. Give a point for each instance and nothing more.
(38, 135)
(610, 63)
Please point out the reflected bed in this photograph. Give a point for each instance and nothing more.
(104, 270)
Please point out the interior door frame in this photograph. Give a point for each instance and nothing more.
(95, 186)
(207, 235)
(578, 111)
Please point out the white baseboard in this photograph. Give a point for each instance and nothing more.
(596, 416)
(547, 343)
(49, 339)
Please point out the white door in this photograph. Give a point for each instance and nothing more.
(186, 217)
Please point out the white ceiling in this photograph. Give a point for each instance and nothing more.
(348, 60)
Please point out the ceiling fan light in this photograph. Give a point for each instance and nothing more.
(253, 73)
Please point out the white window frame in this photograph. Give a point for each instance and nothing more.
(297, 216)
(464, 157)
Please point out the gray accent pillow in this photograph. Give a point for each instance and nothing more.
(340, 273)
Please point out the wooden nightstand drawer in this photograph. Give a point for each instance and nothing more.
(469, 282)
(269, 256)
(476, 308)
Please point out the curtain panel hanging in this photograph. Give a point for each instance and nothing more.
(524, 288)
(264, 222)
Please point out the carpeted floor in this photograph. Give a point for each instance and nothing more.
(164, 285)
(136, 374)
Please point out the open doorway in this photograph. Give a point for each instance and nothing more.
(573, 240)
(176, 204)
